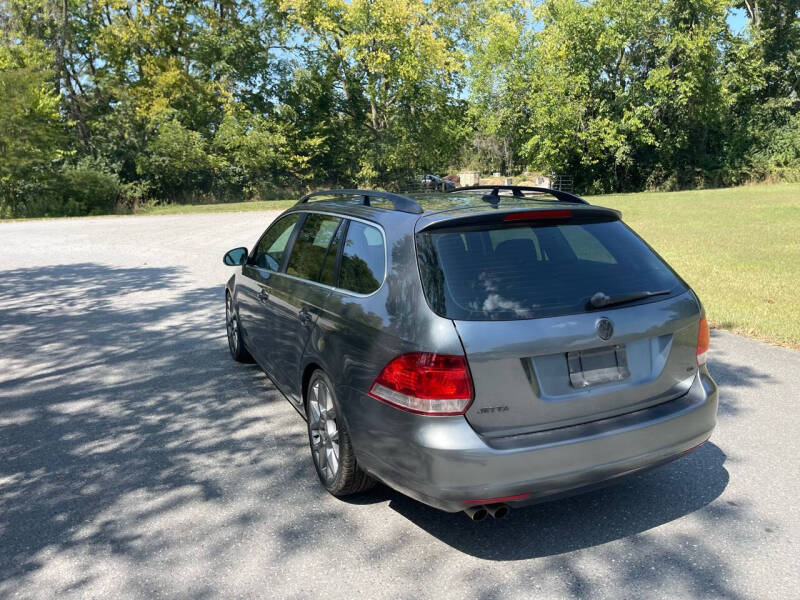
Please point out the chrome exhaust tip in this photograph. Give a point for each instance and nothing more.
(476, 513)
(498, 511)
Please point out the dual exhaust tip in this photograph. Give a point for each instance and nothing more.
(496, 511)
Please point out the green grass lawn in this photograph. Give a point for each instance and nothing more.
(738, 248)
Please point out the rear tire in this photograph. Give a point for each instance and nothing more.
(234, 331)
(331, 450)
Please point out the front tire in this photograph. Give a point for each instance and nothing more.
(234, 331)
(329, 441)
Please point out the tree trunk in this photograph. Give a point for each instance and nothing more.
(64, 79)
(752, 11)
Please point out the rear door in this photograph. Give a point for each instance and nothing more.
(541, 355)
(297, 295)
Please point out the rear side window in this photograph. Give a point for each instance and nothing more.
(540, 270)
(272, 245)
(328, 274)
(363, 259)
(312, 246)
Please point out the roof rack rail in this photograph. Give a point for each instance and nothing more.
(517, 191)
(401, 203)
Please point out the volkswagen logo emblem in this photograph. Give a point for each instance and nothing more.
(605, 328)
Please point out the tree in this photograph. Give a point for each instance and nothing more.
(499, 35)
(619, 94)
(31, 136)
(395, 69)
(762, 81)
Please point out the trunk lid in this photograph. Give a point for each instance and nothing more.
(521, 372)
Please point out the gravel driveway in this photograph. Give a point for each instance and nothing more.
(138, 461)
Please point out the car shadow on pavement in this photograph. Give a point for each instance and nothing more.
(558, 531)
(590, 519)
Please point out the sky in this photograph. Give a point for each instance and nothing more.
(737, 20)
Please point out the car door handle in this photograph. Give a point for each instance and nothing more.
(305, 316)
(263, 296)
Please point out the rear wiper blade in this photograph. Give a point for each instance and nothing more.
(600, 299)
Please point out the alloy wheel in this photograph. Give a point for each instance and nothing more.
(232, 325)
(323, 429)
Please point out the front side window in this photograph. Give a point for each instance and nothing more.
(312, 247)
(272, 245)
(363, 259)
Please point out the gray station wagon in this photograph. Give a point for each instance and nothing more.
(477, 349)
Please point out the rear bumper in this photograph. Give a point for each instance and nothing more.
(443, 462)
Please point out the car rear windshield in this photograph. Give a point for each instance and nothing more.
(537, 270)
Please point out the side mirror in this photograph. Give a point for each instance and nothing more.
(237, 256)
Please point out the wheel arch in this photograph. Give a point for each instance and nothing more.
(305, 379)
(310, 365)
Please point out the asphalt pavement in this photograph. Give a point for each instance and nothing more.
(137, 460)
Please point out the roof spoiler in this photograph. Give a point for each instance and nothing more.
(519, 216)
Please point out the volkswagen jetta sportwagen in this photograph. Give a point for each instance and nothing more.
(476, 349)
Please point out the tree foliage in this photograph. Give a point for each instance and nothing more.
(395, 72)
(31, 132)
(109, 102)
(621, 93)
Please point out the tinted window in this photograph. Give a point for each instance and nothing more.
(328, 274)
(272, 245)
(363, 259)
(311, 247)
(533, 271)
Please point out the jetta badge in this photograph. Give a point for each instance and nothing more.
(605, 328)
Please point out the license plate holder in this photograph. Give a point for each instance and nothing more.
(597, 365)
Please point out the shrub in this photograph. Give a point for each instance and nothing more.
(88, 189)
(176, 161)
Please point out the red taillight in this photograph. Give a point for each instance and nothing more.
(703, 342)
(535, 215)
(425, 383)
